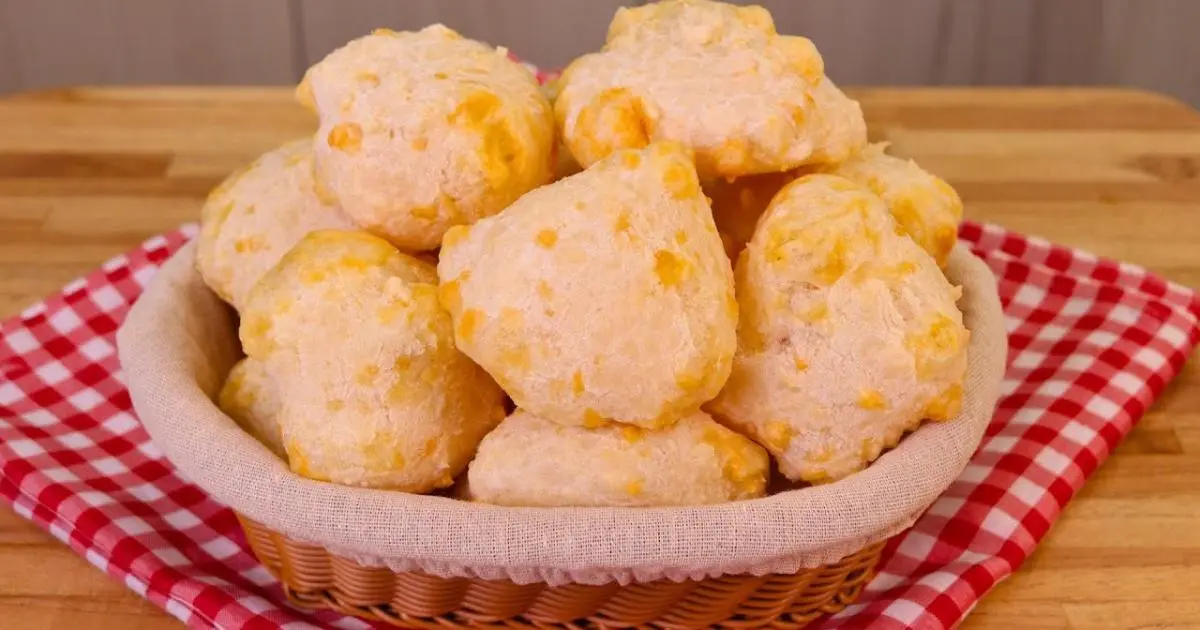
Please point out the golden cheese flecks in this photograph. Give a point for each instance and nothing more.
(547, 238)
(872, 399)
(468, 324)
(622, 224)
(669, 268)
(593, 420)
(454, 235)
(741, 462)
(680, 181)
(345, 137)
(778, 434)
(450, 296)
(946, 404)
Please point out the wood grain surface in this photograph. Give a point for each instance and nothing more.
(88, 173)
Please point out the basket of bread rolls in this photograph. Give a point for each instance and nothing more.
(664, 342)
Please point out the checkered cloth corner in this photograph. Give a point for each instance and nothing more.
(1093, 342)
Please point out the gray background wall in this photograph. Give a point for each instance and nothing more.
(1144, 43)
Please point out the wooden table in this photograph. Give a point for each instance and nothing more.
(88, 173)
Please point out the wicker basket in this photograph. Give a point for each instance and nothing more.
(430, 561)
(314, 578)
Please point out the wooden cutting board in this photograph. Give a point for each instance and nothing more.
(88, 173)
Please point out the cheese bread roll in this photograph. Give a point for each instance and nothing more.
(849, 333)
(258, 214)
(249, 397)
(421, 131)
(926, 207)
(713, 76)
(374, 392)
(530, 461)
(602, 297)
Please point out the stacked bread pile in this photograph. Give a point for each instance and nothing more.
(454, 237)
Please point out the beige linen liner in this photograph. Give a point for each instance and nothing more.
(179, 341)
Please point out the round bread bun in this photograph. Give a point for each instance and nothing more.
(256, 215)
(530, 461)
(249, 397)
(713, 76)
(374, 392)
(849, 333)
(421, 131)
(603, 297)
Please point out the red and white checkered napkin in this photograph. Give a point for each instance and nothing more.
(1093, 342)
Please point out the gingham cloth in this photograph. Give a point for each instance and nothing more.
(1093, 342)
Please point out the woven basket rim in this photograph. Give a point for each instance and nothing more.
(296, 506)
(313, 578)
